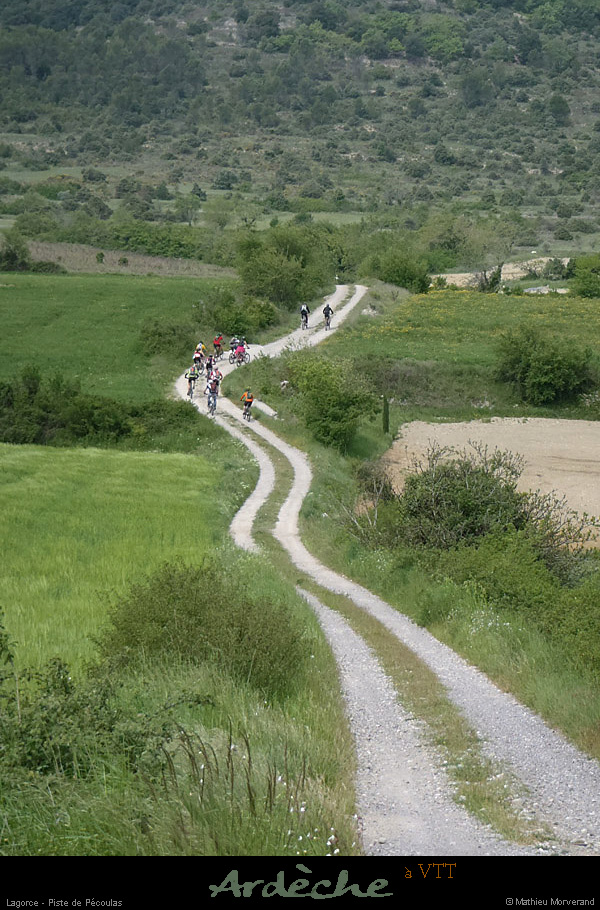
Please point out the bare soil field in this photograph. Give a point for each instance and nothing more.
(510, 272)
(77, 257)
(560, 455)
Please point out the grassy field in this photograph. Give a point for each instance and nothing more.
(81, 524)
(89, 326)
(462, 326)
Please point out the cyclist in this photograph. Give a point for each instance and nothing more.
(212, 390)
(234, 343)
(218, 343)
(200, 347)
(304, 314)
(240, 351)
(327, 313)
(216, 374)
(209, 364)
(197, 358)
(247, 398)
(192, 375)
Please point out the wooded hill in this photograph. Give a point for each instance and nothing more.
(390, 109)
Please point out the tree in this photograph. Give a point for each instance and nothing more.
(559, 110)
(188, 207)
(587, 276)
(14, 253)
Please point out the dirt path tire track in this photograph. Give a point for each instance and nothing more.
(564, 784)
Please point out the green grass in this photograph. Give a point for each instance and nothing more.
(462, 326)
(88, 326)
(78, 524)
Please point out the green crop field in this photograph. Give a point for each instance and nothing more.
(89, 326)
(80, 524)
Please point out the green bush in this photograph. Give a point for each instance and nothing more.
(210, 613)
(179, 339)
(448, 499)
(454, 498)
(222, 309)
(396, 267)
(54, 411)
(331, 398)
(544, 370)
(587, 276)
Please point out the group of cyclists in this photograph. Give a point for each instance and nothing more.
(305, 313)
(206, 364)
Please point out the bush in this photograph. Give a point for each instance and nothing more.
(210, 613)
(587, 276)
(397, 268)
(14, 253)
(544, 370)
(331, 400)
(54, 411)
(454, 498)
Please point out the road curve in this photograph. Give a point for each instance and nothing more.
(403, 795)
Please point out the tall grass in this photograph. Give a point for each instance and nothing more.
(80, 522)
(89, 327)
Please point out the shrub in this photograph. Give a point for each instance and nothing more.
(210, 613)
(396, 267)
(14, 253)
(544, 370)
(587, 276)
(331, 400)
(157, 337)
(454, 498)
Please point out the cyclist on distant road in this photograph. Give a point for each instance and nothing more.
(218, 343)
(304, 314)
(327, 313)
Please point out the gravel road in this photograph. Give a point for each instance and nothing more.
(404, 796)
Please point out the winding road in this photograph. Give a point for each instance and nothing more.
(404, 796)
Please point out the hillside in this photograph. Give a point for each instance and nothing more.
(426, 116)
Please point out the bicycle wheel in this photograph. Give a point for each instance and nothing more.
(232, 358)
(246, 357)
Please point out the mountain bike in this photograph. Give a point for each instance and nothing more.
(191, 387)
(246, 413)
(327, 322)
(212, 403)
(304, 320)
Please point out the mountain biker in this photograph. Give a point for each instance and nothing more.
(200, 347)
(240, 351)
(218, 343)
(234, 343)
(209, 364)
(212, 390)
(192, 375)
(197, 358)
(247, 398)
(304, 313)
(327, 313)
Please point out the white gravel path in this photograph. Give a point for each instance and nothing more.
(404, 797)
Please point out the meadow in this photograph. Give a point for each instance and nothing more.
(90, 327)
(112, 751)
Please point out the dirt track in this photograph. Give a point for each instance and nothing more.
(403, 794)
(560, 455)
